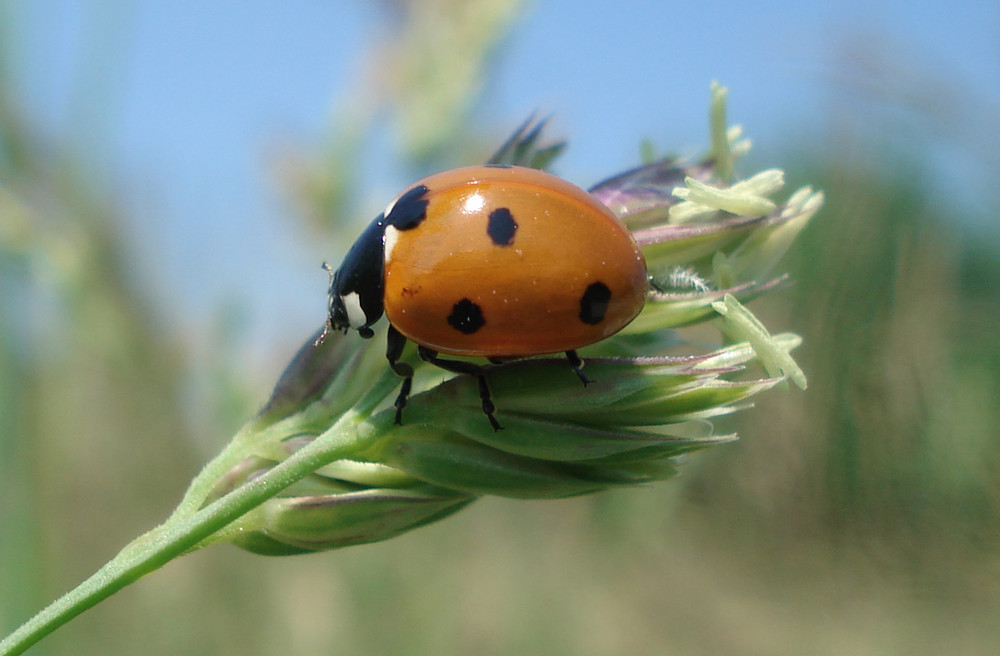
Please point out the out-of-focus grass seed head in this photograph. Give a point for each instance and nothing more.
(710, 243)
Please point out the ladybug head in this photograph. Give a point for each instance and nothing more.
(356, 287)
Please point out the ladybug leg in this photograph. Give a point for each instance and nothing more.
(576, 363)
(468, 368)
(394, 344)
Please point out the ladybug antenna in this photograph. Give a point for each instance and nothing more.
(328, 327)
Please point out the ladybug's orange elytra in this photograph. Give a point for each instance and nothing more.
(511, 262)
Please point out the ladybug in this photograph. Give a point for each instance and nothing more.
(489, 261)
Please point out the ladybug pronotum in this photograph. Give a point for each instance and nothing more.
(498, 262)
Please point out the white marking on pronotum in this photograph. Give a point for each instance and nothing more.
(388, 208)
(389, 242)
(355, 315)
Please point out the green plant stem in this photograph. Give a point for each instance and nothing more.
(183, 533)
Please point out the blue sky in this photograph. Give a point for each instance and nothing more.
(183, 101)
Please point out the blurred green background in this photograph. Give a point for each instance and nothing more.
(859, 517)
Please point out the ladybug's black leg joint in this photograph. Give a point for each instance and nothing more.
(487, 401)
(470, 369)
(576, 363)
(394, 344)
(400, 402)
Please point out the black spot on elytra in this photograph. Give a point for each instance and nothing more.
(409, 210)
(594, 303)
(501, 227)
(466, 317)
